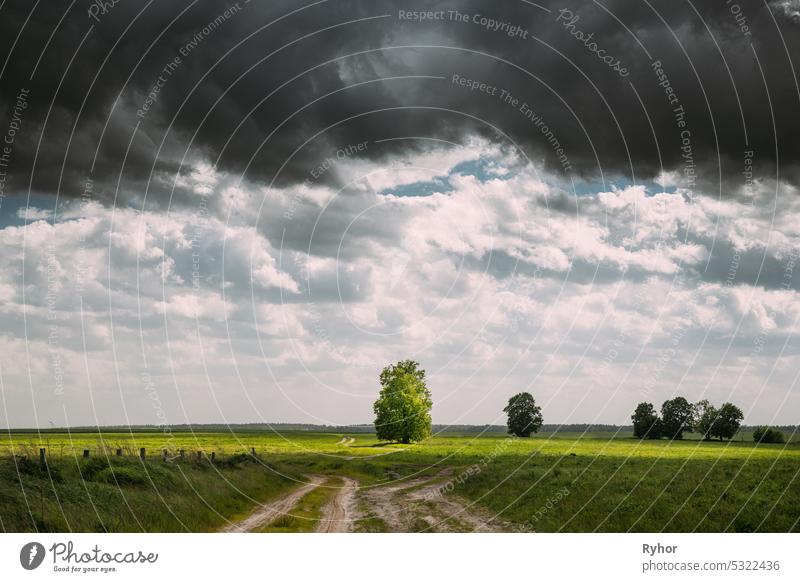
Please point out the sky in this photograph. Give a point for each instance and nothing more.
(232, 212)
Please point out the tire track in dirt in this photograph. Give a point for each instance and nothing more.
(269, 512)
(382, 502)
(427, 508)
(346, 442)
(454, 513)
(397, 511)
(340, 512)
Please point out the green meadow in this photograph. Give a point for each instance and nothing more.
(567, 483)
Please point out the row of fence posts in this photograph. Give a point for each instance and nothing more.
(142, 454)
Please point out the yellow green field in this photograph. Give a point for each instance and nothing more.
(447, 483)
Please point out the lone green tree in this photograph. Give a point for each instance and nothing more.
(727, 422)
(402, 411)
(524, 417)
(705, 417)
(646, 424)
(676, 417)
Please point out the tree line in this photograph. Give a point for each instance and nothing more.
(679, 416)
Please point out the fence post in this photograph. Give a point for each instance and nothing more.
(253, 451)
(85, 453)
(42, 460)
(182, 454)
(213, 456)
(142, 453)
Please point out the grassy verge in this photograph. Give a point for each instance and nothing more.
(127, 495)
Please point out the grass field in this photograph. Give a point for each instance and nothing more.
(593, 483)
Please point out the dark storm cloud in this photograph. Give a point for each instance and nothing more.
(244, 88)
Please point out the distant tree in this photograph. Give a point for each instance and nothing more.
(402, 411)
(703, 418)
(645, 421)
(524, 417)
(765, 434)
(676, 417)
(727, 422)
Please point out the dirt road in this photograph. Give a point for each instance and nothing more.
(416, 505)
(269, 512)
(412, 505)
(454, 510)
(340, 513)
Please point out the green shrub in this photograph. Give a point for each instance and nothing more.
(91, 467)
(765, 434)
(26, 466)
(120, 476)
(238, 459)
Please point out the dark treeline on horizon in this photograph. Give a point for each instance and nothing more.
(349, 428)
